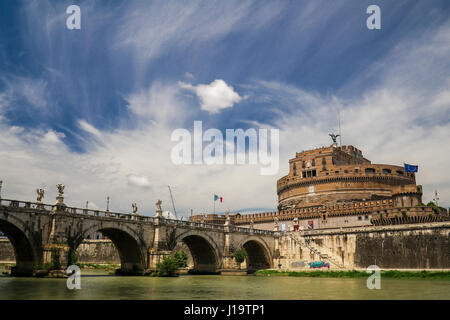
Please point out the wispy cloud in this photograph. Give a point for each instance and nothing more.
(24, 90)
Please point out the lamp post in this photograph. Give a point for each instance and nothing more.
(107, 203)
(1, 182)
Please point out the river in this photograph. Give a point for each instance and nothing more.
(98, 285)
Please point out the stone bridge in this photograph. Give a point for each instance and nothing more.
(41, 233)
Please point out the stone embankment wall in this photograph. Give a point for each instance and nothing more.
(6, 251)
(412, 246)
(89, 251)
(98, 251)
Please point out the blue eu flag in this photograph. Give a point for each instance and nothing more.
(410, 168)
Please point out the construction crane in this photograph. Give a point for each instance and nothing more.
(173, 203)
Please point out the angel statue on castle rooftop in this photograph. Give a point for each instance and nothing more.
(40, 194)
(334, 137)
(275, 220)
(135, 208)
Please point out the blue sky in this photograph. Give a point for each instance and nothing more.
(96, 106)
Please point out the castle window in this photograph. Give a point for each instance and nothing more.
(309, 173)
(324, 164)
(399, 172)
(303, 164)
(345, 171)
(356, 170)
(313, 163)
(366, 217)
(359, 218)
(337, 172)
(370, 170)
(386, 171)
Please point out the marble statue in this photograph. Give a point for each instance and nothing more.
(40, 194)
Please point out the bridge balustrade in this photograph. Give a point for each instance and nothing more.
(132, 217)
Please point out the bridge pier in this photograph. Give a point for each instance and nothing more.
(56, 255)
(156, 257)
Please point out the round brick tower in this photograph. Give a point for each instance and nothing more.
(339, 174)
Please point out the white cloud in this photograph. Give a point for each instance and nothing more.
(89, 128)
(215, 96)
(138, 181)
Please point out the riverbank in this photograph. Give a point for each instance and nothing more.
(109, 268)
(392, 274)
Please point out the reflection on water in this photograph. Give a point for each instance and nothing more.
(97, 285)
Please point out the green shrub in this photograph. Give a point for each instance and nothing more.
(239, 256)
(73, 257)
(55, 264)
(180, 259)
(167, 267)
(433, 206)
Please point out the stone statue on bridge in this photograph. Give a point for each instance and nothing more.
(158, 208)
(158, 205)
(59, 199)
(227, 219)
(40, 194)
(275, 224)
(60, 189)
(135, 208)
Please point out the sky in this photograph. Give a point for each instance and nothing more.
(95, 108)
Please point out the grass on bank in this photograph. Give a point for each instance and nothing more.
(394, 274)
(98, 266)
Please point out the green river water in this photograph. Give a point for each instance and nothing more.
(98, 285)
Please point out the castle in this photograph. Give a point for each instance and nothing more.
(336, 187)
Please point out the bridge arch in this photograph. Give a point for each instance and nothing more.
(21, 239)
(130, 247)
(258, 253)
(204, 251)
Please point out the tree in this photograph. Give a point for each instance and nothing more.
(180, 259)
(167, 267)
(433, 206)
(73, 257)
(55, 264)
(239, 256)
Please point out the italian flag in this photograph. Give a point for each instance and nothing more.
(216, 197)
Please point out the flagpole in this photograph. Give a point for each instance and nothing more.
(214, 198)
